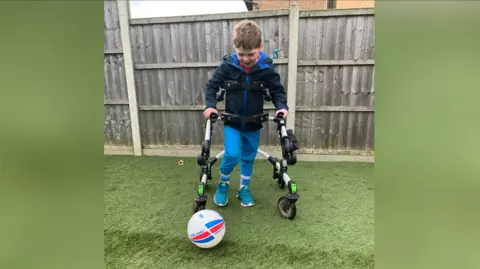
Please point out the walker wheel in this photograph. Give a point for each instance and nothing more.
(197, 207)
(286, 208)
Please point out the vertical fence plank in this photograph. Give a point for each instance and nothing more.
(294, 18)
(124, 16)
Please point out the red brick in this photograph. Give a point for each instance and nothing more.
(313, 4)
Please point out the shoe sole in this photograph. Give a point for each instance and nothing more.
(221, 205)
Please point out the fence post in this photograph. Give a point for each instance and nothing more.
(124, 18)
(293, 17)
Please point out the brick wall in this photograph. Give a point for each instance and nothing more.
(285, 4)
(313, 4)
(341, 4)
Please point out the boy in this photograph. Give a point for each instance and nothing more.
(243, 75)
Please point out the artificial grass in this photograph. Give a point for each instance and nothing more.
(148, 202)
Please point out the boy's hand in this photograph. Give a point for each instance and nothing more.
(284, 111)
(209, 111)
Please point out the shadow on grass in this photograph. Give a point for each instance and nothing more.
(149, 250)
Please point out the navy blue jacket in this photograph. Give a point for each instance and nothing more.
(244, 94)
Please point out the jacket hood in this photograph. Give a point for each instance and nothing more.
(263, 62)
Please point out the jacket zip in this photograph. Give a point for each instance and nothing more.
(245, 100)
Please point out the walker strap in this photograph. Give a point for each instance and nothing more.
(233, 85)
(228, 117)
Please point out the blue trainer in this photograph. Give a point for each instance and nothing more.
(245, 197)
(221, 195)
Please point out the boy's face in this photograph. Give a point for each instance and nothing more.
(248, 57)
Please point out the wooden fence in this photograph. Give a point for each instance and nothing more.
(156, 74)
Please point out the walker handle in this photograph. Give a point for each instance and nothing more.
(213, 116)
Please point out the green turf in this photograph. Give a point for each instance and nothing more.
(148, 202)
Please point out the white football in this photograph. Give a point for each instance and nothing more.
(206, 228)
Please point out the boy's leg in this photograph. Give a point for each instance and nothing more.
(250, 143)
(230, 159)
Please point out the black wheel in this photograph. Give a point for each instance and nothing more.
(197, 208)
(286, 209)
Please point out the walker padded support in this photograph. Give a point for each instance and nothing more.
(293, 140)
(289, 146)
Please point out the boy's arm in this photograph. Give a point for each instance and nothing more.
(213, 86)
(277, 91)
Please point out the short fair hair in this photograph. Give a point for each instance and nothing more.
(247, 35)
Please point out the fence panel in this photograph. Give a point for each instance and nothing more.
(173, 63)
(117, 131)
(335, 99)
(174, 58)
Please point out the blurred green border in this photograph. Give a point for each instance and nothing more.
(427, 134)
(51, 190)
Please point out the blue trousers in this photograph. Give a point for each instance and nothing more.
(239, 147)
